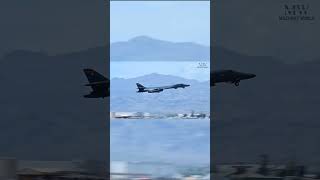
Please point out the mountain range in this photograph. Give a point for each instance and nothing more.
(123, 95)
(275, 113)
(43, 113)
(44, 116)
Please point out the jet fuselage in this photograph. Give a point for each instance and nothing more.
(142, 88)
(229, 76)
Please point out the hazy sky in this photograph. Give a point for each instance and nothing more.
(174, 21)
(248, 26)
(53, 26)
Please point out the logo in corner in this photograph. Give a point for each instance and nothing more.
(296, 12)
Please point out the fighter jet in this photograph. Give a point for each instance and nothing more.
(141, 88)
(99, 84)
(229, 76)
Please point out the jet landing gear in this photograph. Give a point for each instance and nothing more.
(237, 83)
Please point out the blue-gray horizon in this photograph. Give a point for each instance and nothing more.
(199, 71)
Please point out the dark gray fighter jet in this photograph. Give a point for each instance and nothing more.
(229, 76)
(141, 88)
(99, 84)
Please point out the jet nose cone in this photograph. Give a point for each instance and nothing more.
(249, 76)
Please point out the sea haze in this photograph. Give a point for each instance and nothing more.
(199, 70)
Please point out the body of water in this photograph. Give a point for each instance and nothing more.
(179, 141)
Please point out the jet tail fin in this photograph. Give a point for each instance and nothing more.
(94, 76)
(140, 86)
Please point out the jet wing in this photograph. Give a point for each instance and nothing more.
(154, 90)
(164, 87)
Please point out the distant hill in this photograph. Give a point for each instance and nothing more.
(125, 98)
(43, 113)
(143, 48)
